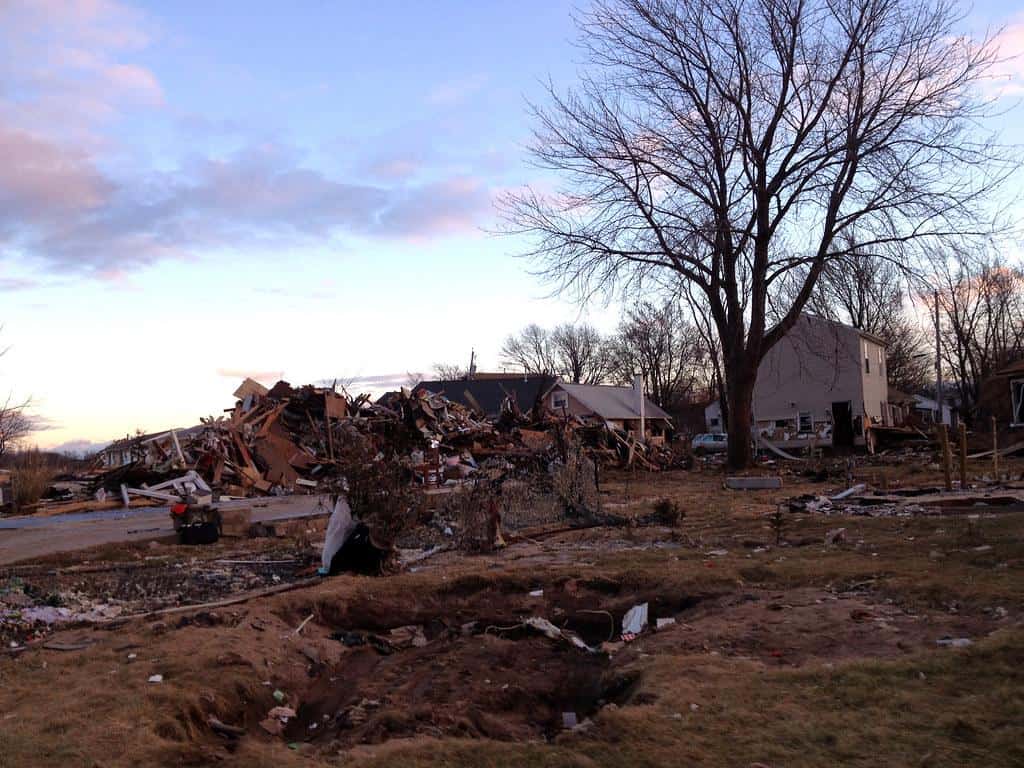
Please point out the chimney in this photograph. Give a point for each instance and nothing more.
(638, 387)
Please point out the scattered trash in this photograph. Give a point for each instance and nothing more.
(634, 622)
(569, 720)
(851, 491)
(663, 623)
(156, 678)
(548, 629)
(835, 537)
(955, 642)
(410, 636)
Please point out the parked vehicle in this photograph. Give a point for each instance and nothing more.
(710, 442)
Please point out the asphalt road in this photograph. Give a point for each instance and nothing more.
(28, 537)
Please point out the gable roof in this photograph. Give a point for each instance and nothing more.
(491, 389)
(1011, 369)
(611, 402)
(896, 396)
(836, 325)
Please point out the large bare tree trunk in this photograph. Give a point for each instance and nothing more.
(741, 400)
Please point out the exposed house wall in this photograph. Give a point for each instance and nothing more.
(875, 381)
(815, 364)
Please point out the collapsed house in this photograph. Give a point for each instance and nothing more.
(283, 439)
(623, 408)
(489, 394)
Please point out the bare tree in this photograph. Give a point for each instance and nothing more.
(981, 309)
(730, 143)
(15, 423)
(530, 350)
(908, 359)
(448, 371)
(870, 294)
(581, 355)
(655, 342)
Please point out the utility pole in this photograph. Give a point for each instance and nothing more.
(938, 363)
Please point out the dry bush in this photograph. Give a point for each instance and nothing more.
(31, 477)
(575, 484)
(378, 493)
(474, 512)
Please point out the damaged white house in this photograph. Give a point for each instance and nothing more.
(824, 381)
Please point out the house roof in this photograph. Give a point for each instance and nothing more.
(896, 396)
(836, 324)
(612, 402)
(1011, 369)
(491, 389)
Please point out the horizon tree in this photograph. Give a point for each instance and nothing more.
(729, 144)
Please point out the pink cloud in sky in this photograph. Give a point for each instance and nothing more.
(266, 377)
(456, 91)
(39, 176)
(64, 210)
(1008, 72)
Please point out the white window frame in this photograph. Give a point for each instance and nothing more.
(800, 421)
(1017, 402)
(559, 400)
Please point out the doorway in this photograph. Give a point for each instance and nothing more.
(842, 424)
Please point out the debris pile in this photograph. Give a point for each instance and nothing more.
(287, 440)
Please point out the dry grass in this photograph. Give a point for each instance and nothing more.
(919, 706)
(33, 473)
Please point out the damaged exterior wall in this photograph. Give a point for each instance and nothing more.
(815, 366)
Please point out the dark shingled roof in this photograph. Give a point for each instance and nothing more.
(490, 389)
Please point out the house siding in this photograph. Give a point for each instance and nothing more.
(815, 364)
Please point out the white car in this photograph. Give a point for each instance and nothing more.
(711, 442)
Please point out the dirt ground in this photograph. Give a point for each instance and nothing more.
(902, 644)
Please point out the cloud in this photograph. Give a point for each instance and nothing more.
(396, 169)
(379, 382)
(73, 202)
(452, 206)
(14, 284)
(83, 222)
(79, 448)
(1007, 74)
(267, 377)
(40, 179)
(457, 91)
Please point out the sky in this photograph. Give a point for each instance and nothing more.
(192, 193)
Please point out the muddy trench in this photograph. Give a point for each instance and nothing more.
(476, 670)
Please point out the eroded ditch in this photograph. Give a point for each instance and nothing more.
(479, 673)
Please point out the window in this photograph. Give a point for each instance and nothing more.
(867, 359)
(713, 422)
(559, 400)
(1017, 401)
(806, 422)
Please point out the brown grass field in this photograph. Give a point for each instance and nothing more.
(798, 654)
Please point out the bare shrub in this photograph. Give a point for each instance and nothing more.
(31, 477)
